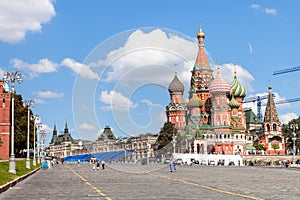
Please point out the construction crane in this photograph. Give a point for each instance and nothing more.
(287, 70)
(258, 100)
(285, 101)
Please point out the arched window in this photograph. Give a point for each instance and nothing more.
(268, 127)
(274, 127)
(236, 137)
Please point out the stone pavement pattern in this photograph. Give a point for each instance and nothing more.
(130, 181)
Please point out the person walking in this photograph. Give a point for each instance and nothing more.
(175, 165)
(78, 163)
(98, 165)
(171, 168)
(103, 164)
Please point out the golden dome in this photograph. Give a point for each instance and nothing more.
(200, 34)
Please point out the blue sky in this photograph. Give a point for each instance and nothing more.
(96, 63)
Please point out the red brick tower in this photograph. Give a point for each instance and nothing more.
(201, 78)
(273, 138)
(220, 113)
(5, 102)
(176, 110)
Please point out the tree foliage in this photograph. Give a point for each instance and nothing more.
(260, 147)
(21, 125)
(165, 134)
(275, 145)
(288, 133)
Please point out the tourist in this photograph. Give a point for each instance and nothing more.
(78, 163)
(174, 165)
(171, 169)
(98, 165)
(103, 164)
(94, 164)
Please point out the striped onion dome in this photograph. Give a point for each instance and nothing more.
(219, 84)
(176, 85)
(195, 101)
(237, 89)
(233, 103)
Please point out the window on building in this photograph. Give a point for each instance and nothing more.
(274, 127)
(236, 137)
(268, 127)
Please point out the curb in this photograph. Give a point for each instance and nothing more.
(12, 183)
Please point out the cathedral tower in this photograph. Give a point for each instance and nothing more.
(176, 110)
(273, 138)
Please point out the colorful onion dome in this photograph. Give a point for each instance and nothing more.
(200, 33)
(237, 89)
(176, 85)
(195, 101)
(233, 103)
(218, 84)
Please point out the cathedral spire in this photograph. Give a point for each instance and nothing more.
(201, 60)
(66, 128)
(271, 114)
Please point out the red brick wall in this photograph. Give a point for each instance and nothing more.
(5, 102)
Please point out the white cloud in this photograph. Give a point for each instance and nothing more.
(144, 53)
(243, 76)
(81, 69)
(33, 70)
(116, 101)
(285, 118)
(49, 95)
(271, 11)
(255, 6)
(250, 47)
(17, 17)
(146, 101)
(268, 11)
(47, 66)
(86, 126)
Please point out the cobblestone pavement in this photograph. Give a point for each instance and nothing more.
(130, 181)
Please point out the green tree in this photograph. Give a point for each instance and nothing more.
(165, 134)
(287, 132)
(21, 123)
(275, 145)
(260, 147)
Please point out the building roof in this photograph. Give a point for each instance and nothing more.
(237, 89)
(233, 103)
(176, 85)
(195, 101)
(271, 114)
(219, 84)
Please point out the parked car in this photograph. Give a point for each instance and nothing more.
(211, 162)
(179, 161)
(203, 162)
(298, 162)
(167, 161)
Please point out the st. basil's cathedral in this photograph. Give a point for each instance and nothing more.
(213, 120)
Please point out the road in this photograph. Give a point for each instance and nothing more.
(132, 181)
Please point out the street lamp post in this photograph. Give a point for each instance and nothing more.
(294, 127)
(35, 118)
(38, 127)
(28, 103)
(12, 77)
(174, 137)
(43, 133)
